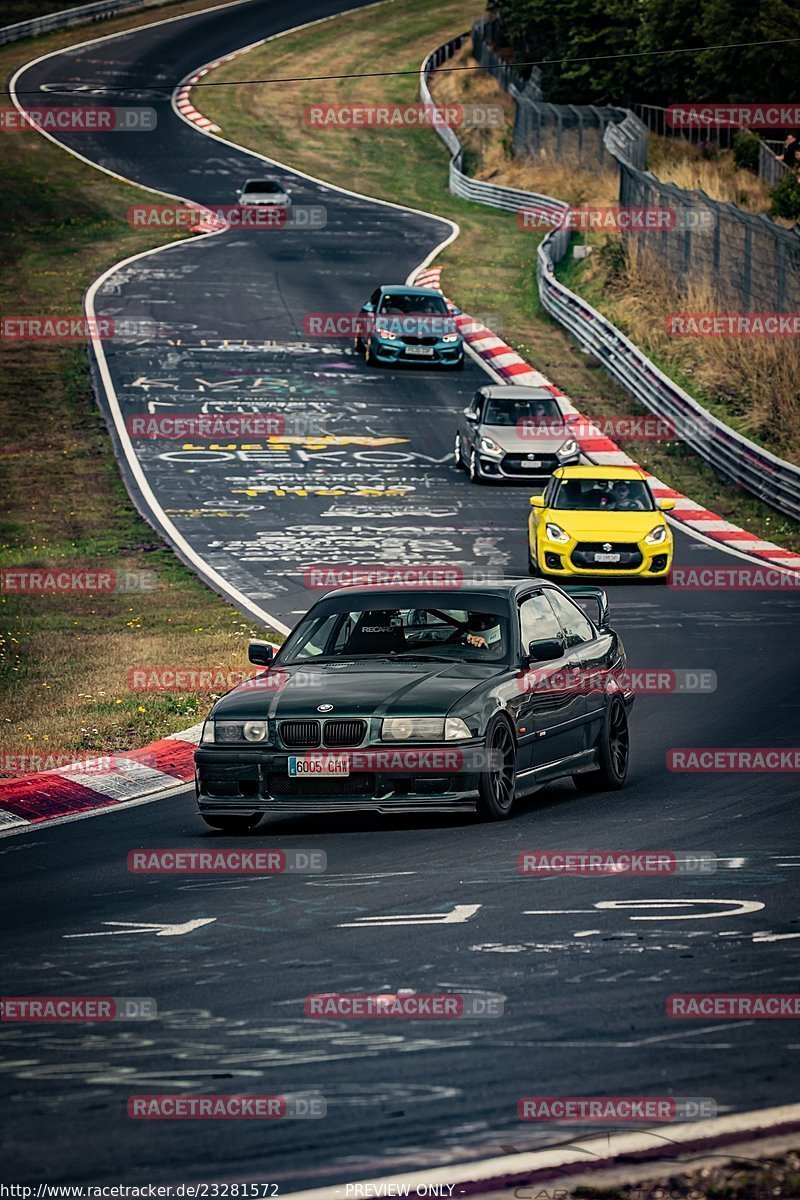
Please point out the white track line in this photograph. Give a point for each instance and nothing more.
(598, 1149)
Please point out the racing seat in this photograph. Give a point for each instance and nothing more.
(376, 634)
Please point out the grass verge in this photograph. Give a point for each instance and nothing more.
(490, 268)
(64, 658)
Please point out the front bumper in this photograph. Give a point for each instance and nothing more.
(243, 781)
(564, 560)
(508, 467)
(397, 351)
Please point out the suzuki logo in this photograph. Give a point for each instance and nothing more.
(606, 546)
(324, 708)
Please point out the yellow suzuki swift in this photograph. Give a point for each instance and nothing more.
(599, 521)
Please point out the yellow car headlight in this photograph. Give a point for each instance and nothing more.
(555, 532)
(657, 535)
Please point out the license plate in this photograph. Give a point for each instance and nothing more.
(420, 351)
(607, 557)
(310, 765)
(530, 465)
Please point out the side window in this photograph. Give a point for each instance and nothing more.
(375, 297)
(478, 402)
(576, 626)
(550, 491)
(537, 621)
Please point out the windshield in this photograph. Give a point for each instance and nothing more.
(610, 495)
(402, 304)
(262, 185)
(447, 634)
(500, 411)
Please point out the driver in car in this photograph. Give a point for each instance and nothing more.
(622, 500)
(485, 632)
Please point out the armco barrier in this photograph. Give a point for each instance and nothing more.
(728, 452)
(82, 15)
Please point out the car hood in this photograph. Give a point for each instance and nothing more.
(605, 526)
(507, 437)
(355, 688)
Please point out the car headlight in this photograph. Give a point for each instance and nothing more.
(450, 337)
(489, 446)
(234, 731)
(555, 532)
(386, 333)
(455, 729)
(412, 729)
(657, 535)
(569, 448)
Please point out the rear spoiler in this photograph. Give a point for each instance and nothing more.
(585, 591)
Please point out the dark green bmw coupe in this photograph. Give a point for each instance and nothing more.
(417, 700)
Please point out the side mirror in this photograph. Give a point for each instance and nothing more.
(546, 650)
(368, 307)
(238, 191)
(538, 500)
(455, 311)
(471, 414)
(260, 654)
(667, 504)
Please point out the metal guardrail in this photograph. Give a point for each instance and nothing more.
(477, 190)
(83, 15)
(728, 452)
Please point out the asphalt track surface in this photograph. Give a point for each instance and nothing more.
(585, 984)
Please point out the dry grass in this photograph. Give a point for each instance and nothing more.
(751, 382)
(675, 160)
(489, 152)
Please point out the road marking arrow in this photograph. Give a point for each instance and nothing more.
(460, 914)
(159, 928)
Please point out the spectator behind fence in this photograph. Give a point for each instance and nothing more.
(791, 151)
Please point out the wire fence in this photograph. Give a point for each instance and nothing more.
(745, 260)
(770, 170)
(728, 452)
(551, 132)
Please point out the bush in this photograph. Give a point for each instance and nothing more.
(786, 198)
(745, 150)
